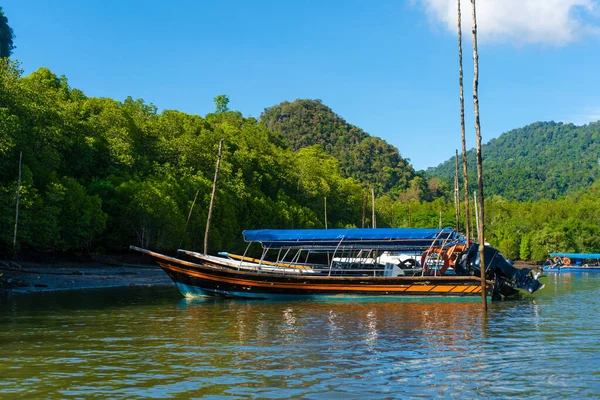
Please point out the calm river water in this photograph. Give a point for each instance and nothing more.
(151, 343)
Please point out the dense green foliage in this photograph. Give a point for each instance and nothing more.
(368, 159)
(530, 230)
(99, 175)
(521, 230)
(102, 174)
(542, 160)
(6, 36)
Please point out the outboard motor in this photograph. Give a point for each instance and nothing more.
(508, 279)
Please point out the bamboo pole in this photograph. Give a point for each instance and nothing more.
(373, 206)
(462, 127)
(212, 197)
(189, 216)
(192, 208)
(476, 212)
(364, 209)
(17, 208)
(325, 211)
(481, 231)
(457, 195)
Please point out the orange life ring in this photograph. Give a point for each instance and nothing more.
(566, 261)
(453, 253)
(556, 259)
(425, 255)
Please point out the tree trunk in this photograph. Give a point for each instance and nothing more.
(212, 198)
(462, 126)
(481, 232)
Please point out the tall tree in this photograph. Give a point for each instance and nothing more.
(462, 125)
(481, 234)
(221, 103)
(6, 36)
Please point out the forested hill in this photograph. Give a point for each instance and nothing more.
(541, 160)
(365, 158)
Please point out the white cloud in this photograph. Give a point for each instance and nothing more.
(587, 115)
(556, 22)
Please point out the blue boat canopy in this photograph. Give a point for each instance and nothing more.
(577, 256)
(378, 237)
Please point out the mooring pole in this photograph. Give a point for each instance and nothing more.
(364, 209)
(476, 213)
(481, 236)
(212, 197)
(17, 208)
(373, 205)
(189, 216)
(457, 196)
(325, 209)
(462, 128)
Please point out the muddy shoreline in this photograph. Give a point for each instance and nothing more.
(28, 277)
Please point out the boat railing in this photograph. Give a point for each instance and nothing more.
(442, 246)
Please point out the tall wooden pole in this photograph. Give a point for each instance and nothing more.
(456, 195)
(476, 213)
(481, 234)
(462, 127)
(189, 216)
(191, 209)
(325, 210)
(440, 219)
(364, 209)
(212, 197)
(373, 206)
(17, 208)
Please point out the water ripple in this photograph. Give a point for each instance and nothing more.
(159, 346)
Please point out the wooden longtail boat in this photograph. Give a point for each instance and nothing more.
(259, 278)
(573, 262)
(195, 280)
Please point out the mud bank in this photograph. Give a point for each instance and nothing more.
(30, 277)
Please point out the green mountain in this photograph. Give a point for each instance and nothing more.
(544, 160)
(368, 159)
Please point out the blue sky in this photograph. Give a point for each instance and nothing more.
(389, 67)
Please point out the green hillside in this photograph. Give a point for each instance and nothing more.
(365, 158)
(544, 160)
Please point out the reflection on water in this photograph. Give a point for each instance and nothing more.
(151, 343)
